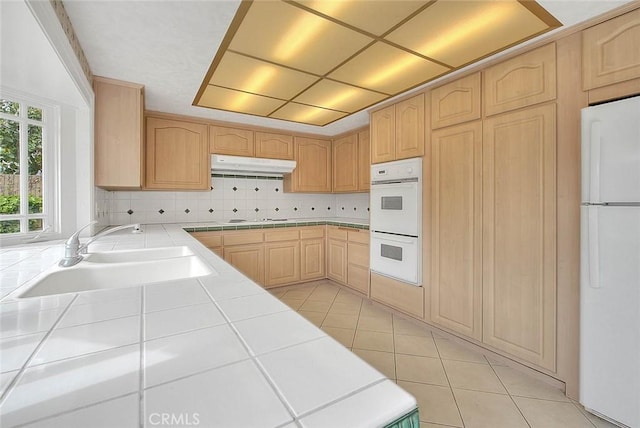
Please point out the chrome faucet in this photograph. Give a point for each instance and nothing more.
(73, 251)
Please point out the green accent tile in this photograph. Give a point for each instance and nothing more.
(244, 227)
(268, 226)
(410, 420)
(278, 225)
(214, 228)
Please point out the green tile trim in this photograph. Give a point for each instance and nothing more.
(274, 226)
(410, 420)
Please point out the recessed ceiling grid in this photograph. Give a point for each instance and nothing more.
(317, 61)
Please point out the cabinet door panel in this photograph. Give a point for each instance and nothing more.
(282, 263)
(358, 278)
(274, 146)
(345, 164)
(248, 259)
(409, 138)
(610, 52)
(313, 169)
(337, 260)
(456, 102)
(312, 259)
(231, 141)
(383, 135)
(522, 81)
(456, 241)
(519, 234)
(119, 143)
(364, 161)
(177, 155)
(400, 295)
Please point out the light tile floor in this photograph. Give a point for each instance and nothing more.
(454, 386)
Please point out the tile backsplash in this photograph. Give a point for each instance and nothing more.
(232, 197)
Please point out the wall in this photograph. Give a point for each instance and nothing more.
(231, 198)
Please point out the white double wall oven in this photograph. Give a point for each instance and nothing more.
(396, 220)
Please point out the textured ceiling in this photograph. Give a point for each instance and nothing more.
(168, 46)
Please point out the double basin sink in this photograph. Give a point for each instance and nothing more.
(117, 269)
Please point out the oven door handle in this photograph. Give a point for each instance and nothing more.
(393, 238)
(409, 185)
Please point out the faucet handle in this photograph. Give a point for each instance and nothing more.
(75, 237)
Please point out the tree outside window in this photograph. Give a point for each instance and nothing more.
(22, 130)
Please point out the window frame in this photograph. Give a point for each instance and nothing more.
(50, 124)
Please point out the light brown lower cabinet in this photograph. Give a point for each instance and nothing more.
(348, 257)
(271, 257)
(312, 260)
(248, 259)
(282, 263)
(337, 260)
(399, 295)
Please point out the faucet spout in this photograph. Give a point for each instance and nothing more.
(73, 250)
(83, 247)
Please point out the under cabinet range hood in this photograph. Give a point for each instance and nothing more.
(225, 163)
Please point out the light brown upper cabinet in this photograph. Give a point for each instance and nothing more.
(231, 141)
(456, 237)
(456, 102)
(521, 81)
(313, 169)
(119, 129)
(364, 161)
(345, 164)
(519, 234)
(397, 131)
(177, 155)
(383, 135)
(610, 52)
(274, 146)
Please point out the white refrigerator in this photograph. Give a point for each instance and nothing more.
(610, 262)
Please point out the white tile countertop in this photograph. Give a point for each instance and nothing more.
(213, 351)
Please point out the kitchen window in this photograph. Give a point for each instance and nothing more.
(28, 146)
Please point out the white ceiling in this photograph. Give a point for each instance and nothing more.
(168, 47)
(28, 62)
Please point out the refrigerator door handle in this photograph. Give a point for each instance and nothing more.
(593, 245)
(594, 157)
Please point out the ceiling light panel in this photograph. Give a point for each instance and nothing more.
(458, 32)
(387, 69)
(285, 34)
(237, 101)
(259, 77)
(338, 96)
(316, 61)
(307, 114)
(375, 17)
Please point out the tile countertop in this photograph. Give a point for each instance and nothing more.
(214, 351)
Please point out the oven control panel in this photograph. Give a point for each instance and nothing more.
(405, 169)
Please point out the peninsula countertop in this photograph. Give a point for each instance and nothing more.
(213, 351)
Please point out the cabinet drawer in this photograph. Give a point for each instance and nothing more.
(282, 235)
(359, 235)
(358, 278)
(246, 237)
(334, 232)
(404, 297)
(358, 254)
(312, 232)
(209, 239)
